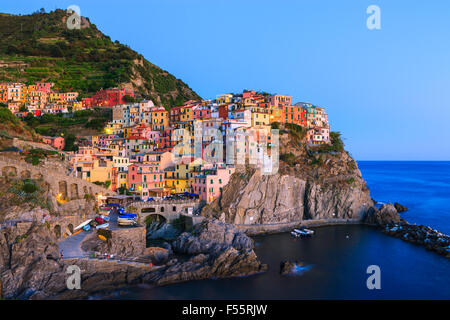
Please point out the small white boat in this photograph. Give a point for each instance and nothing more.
(304, 232)
(295, 234)
(102, 226)
(82, 225)
(126, 222)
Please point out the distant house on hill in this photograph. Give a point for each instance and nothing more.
(55, 142)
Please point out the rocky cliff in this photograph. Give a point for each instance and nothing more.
(29, 261)
(31, 266)
(312, 183)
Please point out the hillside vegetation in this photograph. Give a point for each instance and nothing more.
(11, 127)
(40, 47)
(80, 123)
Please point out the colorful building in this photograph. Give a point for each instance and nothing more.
(209, 183)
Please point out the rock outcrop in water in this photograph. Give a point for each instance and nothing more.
(400, 208)
(219, 250)
(386, 215)
(310, 185)
(388, 219)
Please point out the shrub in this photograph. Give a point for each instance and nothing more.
(35, 160)
(275, 125)
(29, 187)
(336, 144)
(296, 130)
(289, 158)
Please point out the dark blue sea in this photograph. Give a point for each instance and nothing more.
(336, 258)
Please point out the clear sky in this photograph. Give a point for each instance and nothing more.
(387, 91)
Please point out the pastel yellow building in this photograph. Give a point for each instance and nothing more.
(260, 118)
(183, 177)
(169, 179)
(122, 180)
(186, 114)
(101, 171)
(224, 98)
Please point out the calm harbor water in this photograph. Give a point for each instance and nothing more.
(336, 258)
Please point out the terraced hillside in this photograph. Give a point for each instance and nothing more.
(40, 47)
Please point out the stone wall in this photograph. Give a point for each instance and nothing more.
(59, 182)
(122, 243)
(168, 209)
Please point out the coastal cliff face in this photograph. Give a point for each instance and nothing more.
(310, 185)
(32, 268)
(30, 263)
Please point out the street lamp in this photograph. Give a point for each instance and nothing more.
(140, 189)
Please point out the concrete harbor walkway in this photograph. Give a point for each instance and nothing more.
(71, 246)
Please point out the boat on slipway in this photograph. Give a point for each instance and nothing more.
(126, 222)
(82, 225)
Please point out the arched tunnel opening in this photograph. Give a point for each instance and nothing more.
(155, 218)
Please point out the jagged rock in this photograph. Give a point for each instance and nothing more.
(157, 255)
(29, 261)
(21, 213)
(430, 238)
(165, 231)
(31, 267)
(400, 208)
(220, 250)
(287, 267)
(211, 236)
(229, 263)
(254, 199)
(386, 215)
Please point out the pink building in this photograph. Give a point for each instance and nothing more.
(55, 142)
(146, 179)
(44, 86)
(105, 140)
(201, 112)
(150, 135)
(210, 183)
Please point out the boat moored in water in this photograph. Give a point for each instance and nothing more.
(303, 232)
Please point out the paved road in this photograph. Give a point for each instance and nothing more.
(71, 246)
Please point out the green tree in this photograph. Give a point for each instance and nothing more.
(128, 99)
(70, 143)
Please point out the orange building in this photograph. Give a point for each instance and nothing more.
(160, 118)
(295, 115)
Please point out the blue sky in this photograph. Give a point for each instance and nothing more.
(387, 91)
